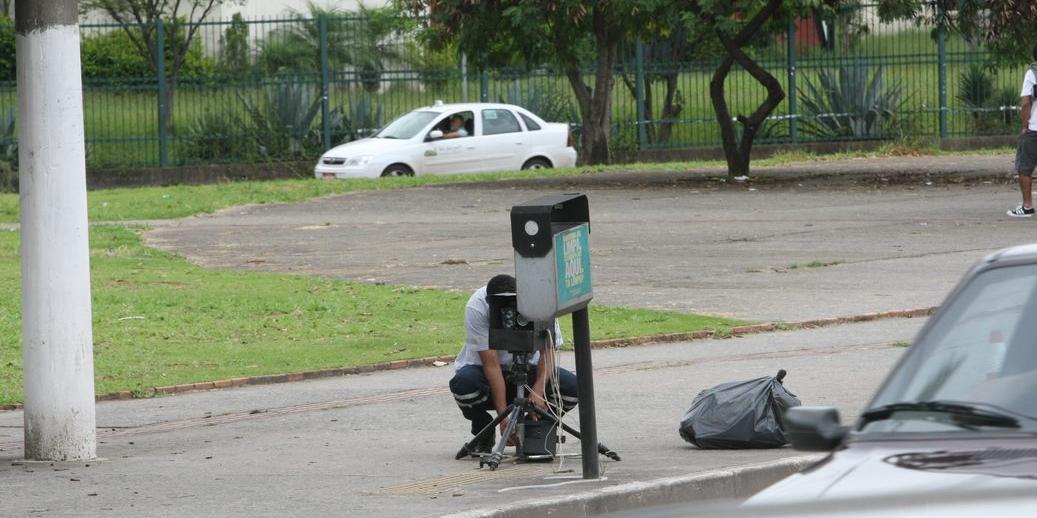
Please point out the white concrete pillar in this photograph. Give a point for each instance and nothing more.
(56, 314)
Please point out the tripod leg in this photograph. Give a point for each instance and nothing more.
(493, 460)
(602, 449)
(469, 446)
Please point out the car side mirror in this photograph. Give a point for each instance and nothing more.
(813, 428)
(435, 135)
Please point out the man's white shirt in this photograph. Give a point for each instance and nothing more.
(477, 333)
(1028, 83)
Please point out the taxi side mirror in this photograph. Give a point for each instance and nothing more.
(814, 428)
(435, 135)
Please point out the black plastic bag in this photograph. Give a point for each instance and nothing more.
(739, 415)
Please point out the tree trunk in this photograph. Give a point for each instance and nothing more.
(736, 165)
(737, 151)
(596, 103)
(669, 109)
(649, 115)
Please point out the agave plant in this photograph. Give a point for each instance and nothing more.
(851, 103)
(282, 121)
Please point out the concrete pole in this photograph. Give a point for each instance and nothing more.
(56, 314)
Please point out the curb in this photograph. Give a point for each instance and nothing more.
(724, 484)
(424, 362)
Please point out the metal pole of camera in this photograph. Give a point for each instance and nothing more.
(585, 389)
(551, 238)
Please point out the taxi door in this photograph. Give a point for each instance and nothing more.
(451, 155)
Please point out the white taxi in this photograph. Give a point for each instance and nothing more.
(453, 138)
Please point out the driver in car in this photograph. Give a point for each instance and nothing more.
(456, 127)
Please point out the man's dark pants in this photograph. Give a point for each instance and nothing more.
(472, 393)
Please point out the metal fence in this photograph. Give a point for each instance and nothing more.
(255, 90)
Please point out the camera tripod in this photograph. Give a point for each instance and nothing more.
(518, 376)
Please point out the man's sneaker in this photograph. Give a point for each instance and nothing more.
(485, 445)
(1020, 212)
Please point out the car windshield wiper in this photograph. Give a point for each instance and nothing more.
(964, 414)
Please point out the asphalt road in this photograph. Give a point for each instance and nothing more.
(382, 444)
(763, 253)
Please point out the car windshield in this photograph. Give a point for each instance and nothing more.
(407, 126)
(975, 367)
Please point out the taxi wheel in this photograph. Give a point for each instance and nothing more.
(397, 170)
(536, 163)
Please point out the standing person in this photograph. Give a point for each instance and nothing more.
(478, 384)
(1026, 151)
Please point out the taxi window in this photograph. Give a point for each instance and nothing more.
(531, 124)
(497, 121)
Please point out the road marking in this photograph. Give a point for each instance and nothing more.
(444, 484)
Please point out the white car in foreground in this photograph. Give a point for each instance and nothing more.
(494, 137)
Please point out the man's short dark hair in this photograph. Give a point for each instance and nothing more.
(502, 283)
(1035, 52)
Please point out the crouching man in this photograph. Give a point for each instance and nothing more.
(478, 384)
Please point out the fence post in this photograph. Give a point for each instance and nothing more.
(464, 77)
(325, 108)
(941, 39)
(793, 91)
(484, 86)
(163, 91)
(639, 92)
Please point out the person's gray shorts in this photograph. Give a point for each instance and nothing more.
(1026, 153)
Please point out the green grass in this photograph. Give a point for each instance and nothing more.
(159, 320)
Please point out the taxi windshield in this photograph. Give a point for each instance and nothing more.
(408, 126)
(980, 355)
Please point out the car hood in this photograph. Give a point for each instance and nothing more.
(367, 146)
(889, 467)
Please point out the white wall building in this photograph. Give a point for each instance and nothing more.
(258, 9)
(275, 9)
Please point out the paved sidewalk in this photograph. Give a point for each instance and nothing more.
(383, 444)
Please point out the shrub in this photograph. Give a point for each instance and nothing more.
(7, 65)
(112, 55)
(991, 110)
(216, 137)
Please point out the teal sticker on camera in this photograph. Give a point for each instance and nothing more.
(573, 265)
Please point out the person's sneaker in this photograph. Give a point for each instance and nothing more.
(485, 445)
(1020, 212)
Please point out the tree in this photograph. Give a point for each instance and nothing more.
(7, 51)
(139, 20)
(672, 44)
(360, 39)
(735, 25)
(1003, 27)
(234, 47)
(566, 33)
